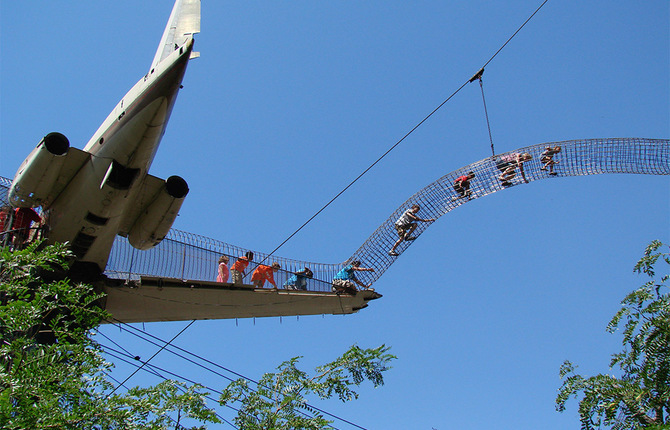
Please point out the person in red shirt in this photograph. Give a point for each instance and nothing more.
(265, 273)
(462, 185)
(240, 265)
(4, 214)
(4, 217)
(23, 218)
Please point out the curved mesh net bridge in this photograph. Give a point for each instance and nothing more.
(184, 255)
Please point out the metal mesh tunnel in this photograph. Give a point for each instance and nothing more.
(576, 158)
(184, 255)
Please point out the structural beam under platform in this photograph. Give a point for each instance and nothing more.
(154, 299)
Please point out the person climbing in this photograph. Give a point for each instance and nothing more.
(547, 159)
(265, 273)
(298, 281)
(462, 185)
(240, 265)
(508, 163)
(223, 269)
(345, 280)
(405, 225)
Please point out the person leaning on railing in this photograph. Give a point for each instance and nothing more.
(240, 265)
(298, 281)
(265, 273)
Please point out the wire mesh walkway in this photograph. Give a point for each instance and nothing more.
(184, 255)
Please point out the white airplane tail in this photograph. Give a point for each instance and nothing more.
(184, 22)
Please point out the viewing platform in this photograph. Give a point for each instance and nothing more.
(151, 299)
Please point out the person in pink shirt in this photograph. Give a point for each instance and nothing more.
(223, 269)
(265, 273)
(508, 163)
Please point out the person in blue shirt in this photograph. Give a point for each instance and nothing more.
(298, 281)
(345, 280)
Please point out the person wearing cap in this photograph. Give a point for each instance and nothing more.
(240, 265)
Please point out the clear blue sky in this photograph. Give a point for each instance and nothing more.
(292, 100)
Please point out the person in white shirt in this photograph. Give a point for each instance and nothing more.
(405, 225)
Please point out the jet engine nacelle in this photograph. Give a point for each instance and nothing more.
(156, 220)
(37, 174)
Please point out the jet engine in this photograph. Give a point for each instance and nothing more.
(37, 174)
(157, 218)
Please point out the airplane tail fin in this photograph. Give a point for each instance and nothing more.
(184, 22)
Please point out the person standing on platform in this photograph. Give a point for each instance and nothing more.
(240, 265)
(23, 219)
(223, 270)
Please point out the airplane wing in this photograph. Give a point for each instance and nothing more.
(44, 175)
(74, 161)
(184, 22)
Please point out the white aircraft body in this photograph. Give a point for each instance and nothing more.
(89, 196)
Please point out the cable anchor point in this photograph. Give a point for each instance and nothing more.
(477, 75)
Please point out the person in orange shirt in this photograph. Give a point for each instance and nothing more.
(240, 265)
(263, 273)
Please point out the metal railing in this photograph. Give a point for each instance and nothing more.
(183, 255)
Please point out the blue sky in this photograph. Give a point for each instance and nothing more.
(292, 100)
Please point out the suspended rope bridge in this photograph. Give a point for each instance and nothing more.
(189, 256)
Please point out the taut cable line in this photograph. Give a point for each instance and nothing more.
(404, 137)
(479, 75)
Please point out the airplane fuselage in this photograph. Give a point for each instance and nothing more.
(89, 196)
(88, 213)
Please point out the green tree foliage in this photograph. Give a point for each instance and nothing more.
(640, 396)
(278, 401)
(52, 374)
